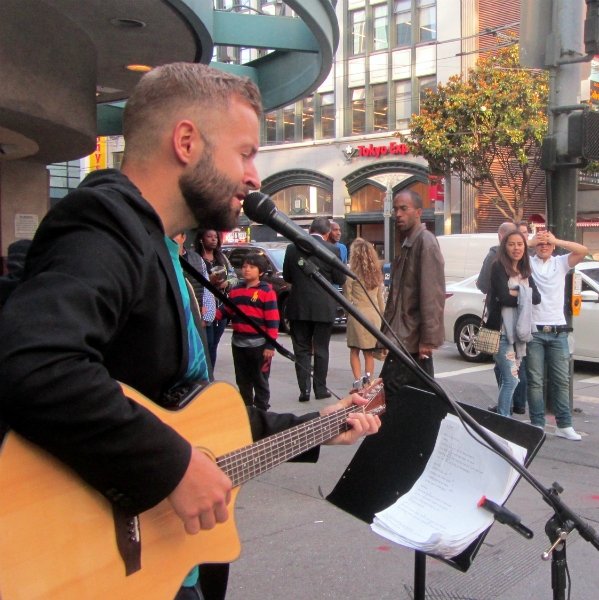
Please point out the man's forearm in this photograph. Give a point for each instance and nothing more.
(573, 247)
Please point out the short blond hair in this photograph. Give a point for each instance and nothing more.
(172, 87)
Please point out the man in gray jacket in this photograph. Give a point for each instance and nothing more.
(417, 296)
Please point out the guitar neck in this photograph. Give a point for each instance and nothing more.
(250, 461)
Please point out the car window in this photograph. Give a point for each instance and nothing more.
(592, 274)
(278, 256)
(236, 257)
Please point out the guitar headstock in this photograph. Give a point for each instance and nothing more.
(374, 392)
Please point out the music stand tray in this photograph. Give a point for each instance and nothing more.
(387, 464)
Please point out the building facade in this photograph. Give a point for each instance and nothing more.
(336, 153)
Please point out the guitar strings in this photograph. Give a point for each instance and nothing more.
(247, 462)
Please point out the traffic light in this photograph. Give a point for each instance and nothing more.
(583, 134)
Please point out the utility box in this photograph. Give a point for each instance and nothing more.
(583, 134)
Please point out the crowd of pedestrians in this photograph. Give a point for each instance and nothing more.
(521, 278)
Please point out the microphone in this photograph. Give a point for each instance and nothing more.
(260, 208)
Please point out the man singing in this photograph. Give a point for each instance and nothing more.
(103, 299)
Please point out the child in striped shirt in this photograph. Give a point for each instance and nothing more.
(252, 355)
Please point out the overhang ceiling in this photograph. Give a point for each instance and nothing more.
(167, 36)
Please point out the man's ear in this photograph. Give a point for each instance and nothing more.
(187, 142)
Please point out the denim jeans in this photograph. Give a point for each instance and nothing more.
(214, 332)
(520, 393)
(548, 349)
(506, 362)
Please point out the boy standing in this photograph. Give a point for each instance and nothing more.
(251, 354)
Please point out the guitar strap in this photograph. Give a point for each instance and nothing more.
(225, 300)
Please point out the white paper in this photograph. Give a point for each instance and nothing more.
(440, 513)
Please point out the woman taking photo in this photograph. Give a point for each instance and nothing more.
(510, 300)
(221, 274)
(364, 263)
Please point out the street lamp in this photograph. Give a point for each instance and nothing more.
(387, 218)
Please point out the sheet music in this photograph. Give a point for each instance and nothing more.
(440, 513)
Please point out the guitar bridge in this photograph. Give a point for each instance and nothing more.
(128, 540)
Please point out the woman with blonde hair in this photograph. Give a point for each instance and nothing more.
(364, 263)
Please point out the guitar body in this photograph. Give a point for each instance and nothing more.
(57, 535)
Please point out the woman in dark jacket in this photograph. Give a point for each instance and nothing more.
(208, 246)
(511, 296)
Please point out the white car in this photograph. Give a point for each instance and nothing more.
(464, 306)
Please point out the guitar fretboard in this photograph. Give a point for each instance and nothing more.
(250, 461)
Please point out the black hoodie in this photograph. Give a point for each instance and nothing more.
(100, 303)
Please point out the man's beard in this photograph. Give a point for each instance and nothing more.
(208, 193)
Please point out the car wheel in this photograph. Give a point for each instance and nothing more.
(284, 321)
(465, 336)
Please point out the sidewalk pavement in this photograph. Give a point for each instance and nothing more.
(295, 545)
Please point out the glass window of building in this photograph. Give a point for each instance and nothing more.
(381, 27)
(327, 115)
(380, 102)
(403, 103)
(303, 200)
(403, 23)
(308, 119)
(426, 83)
(270, 127)
(357, 28)
(289, 123)
(117, 160)
(358, 110)
(245, 55)
(368, 198)
(427, 20)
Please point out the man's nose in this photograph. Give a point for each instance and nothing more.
(251, 178)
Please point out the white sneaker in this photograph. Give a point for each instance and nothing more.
(568, 433)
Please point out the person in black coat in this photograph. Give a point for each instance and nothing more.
(311, 313)
(511, 274)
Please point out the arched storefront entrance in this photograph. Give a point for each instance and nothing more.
(299, 193)
(367, 188)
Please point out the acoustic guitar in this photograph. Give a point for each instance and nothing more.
(58, 536)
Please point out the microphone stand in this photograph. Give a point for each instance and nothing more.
(564, 519)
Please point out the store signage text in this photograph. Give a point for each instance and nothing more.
(376, 151)
(595, 92)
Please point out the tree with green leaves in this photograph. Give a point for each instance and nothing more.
(487, 129)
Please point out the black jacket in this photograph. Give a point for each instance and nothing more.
(307, 300)
(499, 295)
(100, 302)
(483, 283)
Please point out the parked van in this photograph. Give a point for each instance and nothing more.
(464, 253)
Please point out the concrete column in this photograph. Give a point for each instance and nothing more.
(23, 190)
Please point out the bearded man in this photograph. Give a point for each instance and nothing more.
(103, 299)
(416, 300)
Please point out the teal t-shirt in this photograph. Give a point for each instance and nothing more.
(196, 367)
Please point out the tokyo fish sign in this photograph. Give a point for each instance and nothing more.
(376, 151)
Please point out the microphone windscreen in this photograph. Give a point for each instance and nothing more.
(258, 207)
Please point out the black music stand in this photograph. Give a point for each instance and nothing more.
(387, 465)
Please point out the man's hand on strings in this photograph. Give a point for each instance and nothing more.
(360, 424)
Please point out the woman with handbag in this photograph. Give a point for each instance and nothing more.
(221, 274)
(365, 264)
(510, 299)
